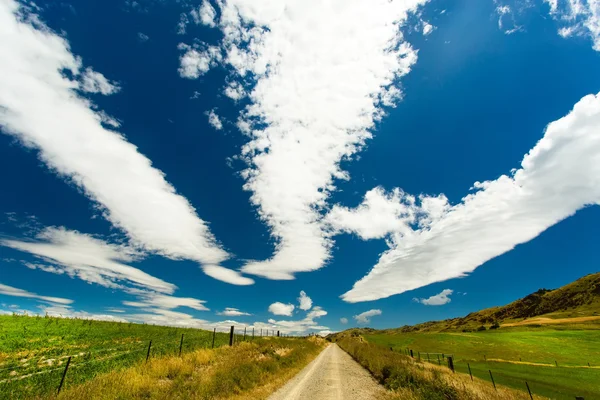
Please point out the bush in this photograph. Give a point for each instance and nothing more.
(495, 325)
(481, 328)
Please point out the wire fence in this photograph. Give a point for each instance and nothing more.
(44, 371)
(483, 369)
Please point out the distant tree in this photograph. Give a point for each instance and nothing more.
(495, 325)
(481, 328)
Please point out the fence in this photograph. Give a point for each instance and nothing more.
(49, 371)
(486, 373)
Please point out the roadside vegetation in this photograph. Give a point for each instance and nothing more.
(252, 369)
(409, 379)
(553, 361)
(34, 352)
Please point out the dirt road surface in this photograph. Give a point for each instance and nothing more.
(333, 375)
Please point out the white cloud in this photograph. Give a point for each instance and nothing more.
(427, 28)
(506, 18)
(304, 301)
(182, 24)
(87, 258)
(365, 318)
(235, 91)
(278, 308)
(226, 275)
(298, 326)
(205, 15)
(214, 120)
(580, 17)
(232, 312)
(378, 215)
(323, 73)
(41, 107)
(437, 300)
(344, 320)
(195, 63)
(13, 291)
(151, 300)
(95, 82)
(559, 176)
(142, 37)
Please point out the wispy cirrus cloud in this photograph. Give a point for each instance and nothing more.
(436, 300)
(16, 292)
(578, 18)
(232, 312)
(558, 176)
(323, 72)
(365, 317)
(41, 107)
(88, 258)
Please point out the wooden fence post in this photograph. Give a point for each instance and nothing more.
(64, 375)
(439, 362)
(180, 345)
(252, 332)
(529, 390)
(411, 354)
(428, 357)
(244, 333)
(148, 354)
(231, 337)
(214, 334)
(450, 363)
(468, 366)
(492, 376)
(277, 333)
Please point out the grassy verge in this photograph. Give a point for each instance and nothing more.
(410, 380)
(248, 370)
(511, 355)
(34, 350)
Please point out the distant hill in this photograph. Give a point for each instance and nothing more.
(577, 302)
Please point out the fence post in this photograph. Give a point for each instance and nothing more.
(231, 337)
(491, 376)
(468, 366)
(252, 332)
(64, 375)
(555, 363)
(529, 390)
(411, 354)
(277, 333)
(439, 362)
(180, 345)
(214, 334)
(428, 357)
(148, 354)
(244, 333)
(451, 363)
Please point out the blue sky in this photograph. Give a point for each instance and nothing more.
(295, 166)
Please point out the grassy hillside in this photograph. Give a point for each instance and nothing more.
(34, 350)
(579, 299)
(549, 339)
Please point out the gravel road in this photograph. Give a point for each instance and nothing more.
(333, 375)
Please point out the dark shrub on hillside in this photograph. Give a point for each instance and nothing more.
(495, 325)
(481, 328)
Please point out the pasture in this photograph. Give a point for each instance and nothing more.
(553, 360)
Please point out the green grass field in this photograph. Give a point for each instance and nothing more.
(34, 350)
(501, 351)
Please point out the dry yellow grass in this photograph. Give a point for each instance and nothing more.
(247, 370)
(408, 379)
(552, 321)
